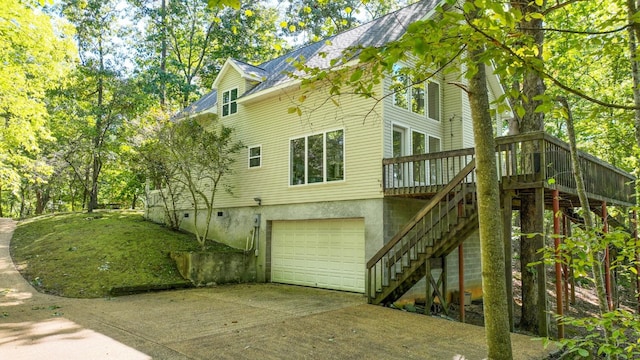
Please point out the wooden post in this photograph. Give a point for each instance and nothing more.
(607, 264)
(543, 321)
(558, 265)
(429, 300)
(461, 281)
(507, 208)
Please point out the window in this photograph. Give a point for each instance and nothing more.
(255, 156)
(317, 158)
(435, 166)
(399, 87)
(229, 105)
(418, 144)
(433, 101)
(412, 97)
(417, 99)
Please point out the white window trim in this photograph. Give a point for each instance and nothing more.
(324, 158)
(406, 129)
(249, 157)
(435, 137)
(222, 103)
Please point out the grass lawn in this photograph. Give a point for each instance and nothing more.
(85, 255)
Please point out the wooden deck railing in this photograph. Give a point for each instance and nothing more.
(523, 161)
(429, 232)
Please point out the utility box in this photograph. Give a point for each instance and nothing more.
(256, 220)
(455, 297)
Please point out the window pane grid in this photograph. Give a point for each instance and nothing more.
(255, 156)
(229, 104)
(317, 158)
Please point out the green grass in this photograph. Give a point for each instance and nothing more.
(85, 255)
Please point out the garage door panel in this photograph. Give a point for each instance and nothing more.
(319, 253)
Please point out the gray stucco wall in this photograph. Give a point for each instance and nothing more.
(235, 226)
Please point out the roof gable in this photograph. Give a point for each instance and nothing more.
(245, 70)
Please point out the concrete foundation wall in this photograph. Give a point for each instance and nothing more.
(235, 226)
(208, 269)
(383, 219)
(397, 213)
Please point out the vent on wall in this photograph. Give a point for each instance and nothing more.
(220, 213)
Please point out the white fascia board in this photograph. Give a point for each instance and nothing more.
(230, 63)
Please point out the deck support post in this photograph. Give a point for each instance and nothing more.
(428, 302)
(558, 259)
(507, 209)
(543, 315)
(607, 264)
(461, 281)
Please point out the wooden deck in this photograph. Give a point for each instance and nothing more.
(524, 163)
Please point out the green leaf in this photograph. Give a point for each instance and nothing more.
(583, 352)
(535, 15)
(356, 75)
(292, 109)
(468, 7)
(216, 4)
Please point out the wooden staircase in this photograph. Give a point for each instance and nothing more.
(436, 230)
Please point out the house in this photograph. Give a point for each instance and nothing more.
(367, 196)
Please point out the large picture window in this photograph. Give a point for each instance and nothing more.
(317, 158)
(229, 104)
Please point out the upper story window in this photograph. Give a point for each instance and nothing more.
(433, 102)
(422, 98)
(255, 156)
(229, 104)
(317, 158)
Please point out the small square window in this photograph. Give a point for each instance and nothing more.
(255, 156)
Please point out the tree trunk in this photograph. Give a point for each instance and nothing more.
(493, 260)
(634, 33)
(97, 139)
(39, 202)
(532, 86)
(163, 56)
(596, 258)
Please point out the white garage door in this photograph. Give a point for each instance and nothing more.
(320, 253)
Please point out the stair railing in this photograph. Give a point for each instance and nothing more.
(423, 232)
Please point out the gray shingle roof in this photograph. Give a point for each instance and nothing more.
(375, 33)
(204, 103)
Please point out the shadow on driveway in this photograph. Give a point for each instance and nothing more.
(247, 321)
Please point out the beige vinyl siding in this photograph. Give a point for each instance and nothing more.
(452, 117)
(467, 124)
(267, 122)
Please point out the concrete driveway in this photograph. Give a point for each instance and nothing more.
(255, 321)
